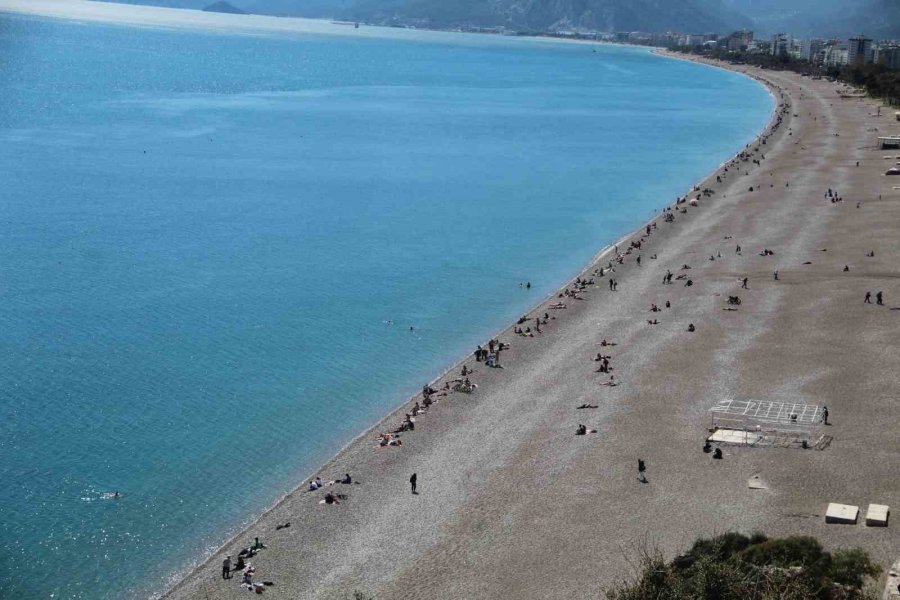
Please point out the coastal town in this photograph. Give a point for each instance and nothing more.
(857, 51)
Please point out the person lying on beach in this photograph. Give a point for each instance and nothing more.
(586, 406)
(388, 439)
(611, 382)
(331, 499)
(653, 322)
(466, 386)
(605, 343)
(557, 306)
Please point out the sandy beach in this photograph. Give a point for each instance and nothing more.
(512, 504)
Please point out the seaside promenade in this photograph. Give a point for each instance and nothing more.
(512, 504)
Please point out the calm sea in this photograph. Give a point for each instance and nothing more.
(213, 247)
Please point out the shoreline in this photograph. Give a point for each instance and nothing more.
(512, 504)
(396, 414)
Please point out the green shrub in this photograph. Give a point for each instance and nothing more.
(736, 567)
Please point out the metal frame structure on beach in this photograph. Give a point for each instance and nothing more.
(755, 422)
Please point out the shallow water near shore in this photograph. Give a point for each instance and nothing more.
(223, 256)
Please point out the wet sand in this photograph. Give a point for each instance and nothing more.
(512, 504)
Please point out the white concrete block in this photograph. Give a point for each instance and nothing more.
(877, 515)
(841, 513)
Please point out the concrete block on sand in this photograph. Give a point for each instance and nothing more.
(877, 515)
(841, 513)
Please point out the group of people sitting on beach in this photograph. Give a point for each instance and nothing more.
(246, 569)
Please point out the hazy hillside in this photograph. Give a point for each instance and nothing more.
(823, 18)
(538, 15)
(602, 15)
(804, 18)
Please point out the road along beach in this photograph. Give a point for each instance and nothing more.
(511, 503)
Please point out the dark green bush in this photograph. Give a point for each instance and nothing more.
(736, 567)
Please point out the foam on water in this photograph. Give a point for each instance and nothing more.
(212, 248)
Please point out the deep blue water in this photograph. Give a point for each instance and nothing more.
(202, 236)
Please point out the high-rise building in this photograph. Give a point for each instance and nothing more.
(834, 54)
(889, 56)
(811, 49)
(859, 51)
(739, 40)
(781, 44)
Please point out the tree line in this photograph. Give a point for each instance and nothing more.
(878, 80)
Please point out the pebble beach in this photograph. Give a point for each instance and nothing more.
(512, 504)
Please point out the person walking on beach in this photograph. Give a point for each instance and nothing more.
(226, 567)
(868, 299)
(641, 471)
(825, 415)
(744, 284)
(412, 483)
(879, 299)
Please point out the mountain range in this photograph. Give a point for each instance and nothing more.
(879, 19)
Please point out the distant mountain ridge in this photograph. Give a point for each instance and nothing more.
(224, 7)
(879, 19)
(544, 15)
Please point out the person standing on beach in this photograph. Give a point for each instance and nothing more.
(412, 483)
(879, 299)
(226, 567)
(642, 467)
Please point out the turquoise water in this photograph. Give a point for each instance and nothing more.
(202, 237)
